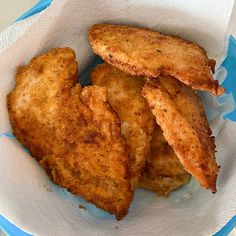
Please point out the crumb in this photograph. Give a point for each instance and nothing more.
(47, 188)
(117, 227)
(82, 207)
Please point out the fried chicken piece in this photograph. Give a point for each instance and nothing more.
(143, 52)
(72, 132)
(163, 160)
(163, 185)
(137, 120)
(163, 172)
(180, 114)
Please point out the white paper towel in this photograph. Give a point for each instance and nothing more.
(31, 201)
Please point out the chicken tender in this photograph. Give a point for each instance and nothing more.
(163, 185)
(137, 120)
(163, 172)
(163, 160)
(72, 132)
(143, 52)
(180, 114)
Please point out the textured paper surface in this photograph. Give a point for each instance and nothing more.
(32, 202)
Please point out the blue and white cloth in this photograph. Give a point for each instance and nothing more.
(24, 196)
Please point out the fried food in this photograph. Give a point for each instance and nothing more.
(72, 132)
(180, 114)
(143, 52)
(163, 185)
(163, 172)
(163, 160)
(137, 120)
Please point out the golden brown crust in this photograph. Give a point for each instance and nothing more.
(73, 132)
(163, 185)
(143, 52)
(179, 112)
(162, 159)
(137, 121)
(163, 172)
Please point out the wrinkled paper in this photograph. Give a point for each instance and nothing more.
(31, 201)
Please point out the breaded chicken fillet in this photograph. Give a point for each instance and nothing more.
(180, 114)
(72, 132)
(137, 120)
(163, 185)
(143, 52)
(162, 159)
(163, 172)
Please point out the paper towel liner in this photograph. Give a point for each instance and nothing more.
(31, 201)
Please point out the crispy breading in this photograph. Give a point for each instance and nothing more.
(162, 159)
(180, 114)
(72, 132)
(143, 52)
(163, 172)
(137, 120)
(163, 185)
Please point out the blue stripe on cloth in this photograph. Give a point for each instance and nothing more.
(10, 229)
(230, 82)
(227, 228)
(7, 134)
(40, 6)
